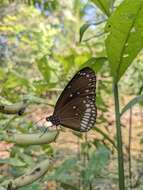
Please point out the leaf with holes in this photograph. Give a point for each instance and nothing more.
(125, 36)
(104, 5)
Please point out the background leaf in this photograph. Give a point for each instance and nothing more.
(83, 28)
(104, 5)
(44, 68)
(134, 101)
(34, 186)
(97, 162)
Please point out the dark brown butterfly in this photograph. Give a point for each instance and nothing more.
(76, 107)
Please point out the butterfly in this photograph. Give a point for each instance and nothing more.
(75, 108)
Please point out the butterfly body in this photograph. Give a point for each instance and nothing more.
(75, 108)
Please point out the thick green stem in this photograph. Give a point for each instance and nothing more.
(119, 140)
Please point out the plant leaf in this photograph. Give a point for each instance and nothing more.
(125, 36)
(104, 5)
(95, 63)
(34, 186)
(44, 68)
(12, 162)
(137, 99)
(97, 162)
(83, 28)
(62, 173)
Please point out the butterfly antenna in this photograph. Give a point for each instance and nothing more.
(39, 119)
(35, 123)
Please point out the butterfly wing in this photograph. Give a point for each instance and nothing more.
(79, 115)
(76, 84)
(76, 106)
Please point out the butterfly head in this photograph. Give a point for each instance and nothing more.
(53, 119)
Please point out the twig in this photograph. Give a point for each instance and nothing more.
(105, 136)
(94, 36)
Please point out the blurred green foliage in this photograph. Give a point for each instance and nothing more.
(39, 53)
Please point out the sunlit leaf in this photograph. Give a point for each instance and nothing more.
(96, 63)
(44, 68)
(104, 5)
(125, 36)
(14, 80)
(2, 74)
(133, 102)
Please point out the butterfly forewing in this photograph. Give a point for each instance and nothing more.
(75, 107)
(85, 79)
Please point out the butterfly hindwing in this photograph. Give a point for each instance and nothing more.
(79, 115)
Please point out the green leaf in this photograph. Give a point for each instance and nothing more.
(136, 100)
(106, 136)
(95, 63)
(12, 162)
(44, 68)
(34, 186)
(83, 28)
(2, 74)
(97, 162)
(15, 79)
(63, 172)
(104, 5)
(125, 36)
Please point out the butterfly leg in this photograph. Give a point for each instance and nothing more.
(44, 131)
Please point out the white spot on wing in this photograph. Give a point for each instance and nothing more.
(87, 105)
(88, 110)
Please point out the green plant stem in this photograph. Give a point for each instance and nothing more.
(119, 140)
(129, 148)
